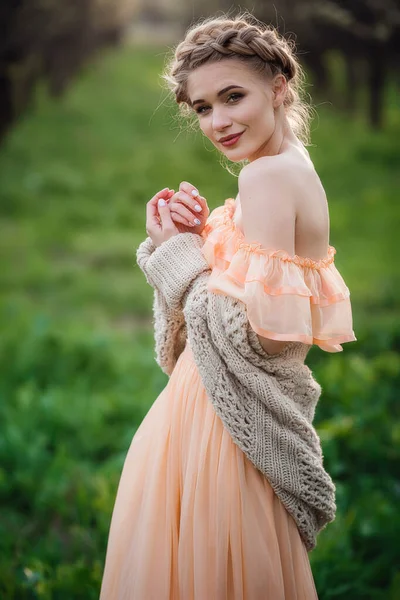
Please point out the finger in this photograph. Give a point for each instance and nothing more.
(195, 204)
(165, 215)
(152, 208)
(204, 206)
(177, 218)
(179, 199)
(169, 195)
(183, 215)
(179, 208)
(161, 194)
(190, 189)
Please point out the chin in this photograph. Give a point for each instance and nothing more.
(236, 157)
(241, 152)
(236, 160)
(235, 154)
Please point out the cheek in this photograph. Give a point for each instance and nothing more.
(258, 114)
(205, 127)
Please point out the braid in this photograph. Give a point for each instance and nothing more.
(258, 45)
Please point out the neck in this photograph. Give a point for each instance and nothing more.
(281, 137)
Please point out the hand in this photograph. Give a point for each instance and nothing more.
(182, 209)
(159, 224)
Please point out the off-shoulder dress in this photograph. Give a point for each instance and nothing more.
(193, 517)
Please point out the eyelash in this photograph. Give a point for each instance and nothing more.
(238, 94)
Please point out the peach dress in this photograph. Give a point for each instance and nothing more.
(193, 517)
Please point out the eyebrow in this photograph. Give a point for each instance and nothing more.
(226, 89)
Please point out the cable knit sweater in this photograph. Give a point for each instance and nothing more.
(265, 401)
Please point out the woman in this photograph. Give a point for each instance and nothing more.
(195, 516)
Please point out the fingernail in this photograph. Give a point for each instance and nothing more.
(161, 202)
(195, 193)
(197, 221)
(198, 208)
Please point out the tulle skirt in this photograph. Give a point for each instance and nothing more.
(193, 518)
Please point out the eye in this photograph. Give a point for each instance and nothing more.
(200, 110)
(235, 96)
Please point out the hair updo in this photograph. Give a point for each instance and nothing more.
(243, 38)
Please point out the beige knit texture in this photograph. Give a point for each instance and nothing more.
(266, 402)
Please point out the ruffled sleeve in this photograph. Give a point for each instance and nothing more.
(288, 298)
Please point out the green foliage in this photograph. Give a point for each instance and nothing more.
(70, 402)
(359, 426)
(77, 363)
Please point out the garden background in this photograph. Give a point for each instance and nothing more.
(78, 372)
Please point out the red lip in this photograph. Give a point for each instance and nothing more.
(230, 137)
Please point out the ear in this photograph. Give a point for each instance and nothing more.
(279, 86)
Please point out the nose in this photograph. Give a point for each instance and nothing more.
(220, 119)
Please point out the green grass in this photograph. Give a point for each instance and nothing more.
(77, 364)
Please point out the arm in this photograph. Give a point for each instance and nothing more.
(172, 266)
(268, 215)
(170, 269)
(169, 333)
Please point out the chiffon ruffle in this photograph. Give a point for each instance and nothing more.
(288, 298)
(193, 517)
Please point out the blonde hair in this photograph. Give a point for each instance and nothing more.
(243, 38)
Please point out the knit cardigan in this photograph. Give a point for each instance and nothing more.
(265, 401)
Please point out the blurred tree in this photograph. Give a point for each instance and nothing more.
(51, 39)
(366, 32)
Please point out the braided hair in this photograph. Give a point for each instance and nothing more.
(246, 39)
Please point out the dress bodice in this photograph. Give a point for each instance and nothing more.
(288, 298)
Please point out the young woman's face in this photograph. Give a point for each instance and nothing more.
(246, 107)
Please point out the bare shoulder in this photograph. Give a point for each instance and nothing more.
(287, 188)
(266, 167)
(291, 172)
(267, 207)
(264, 184)
(291, 168)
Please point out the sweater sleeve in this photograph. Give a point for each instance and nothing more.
(169, 333)
(173, 266)
(170, 269)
